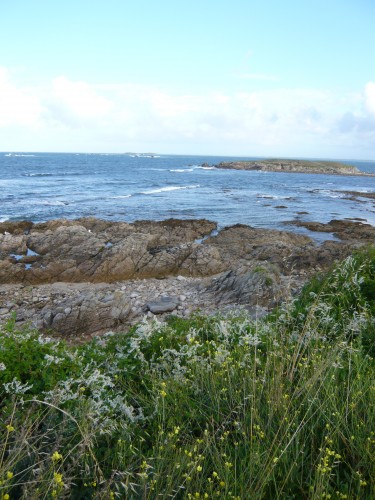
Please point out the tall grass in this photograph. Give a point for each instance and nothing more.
(205, 407)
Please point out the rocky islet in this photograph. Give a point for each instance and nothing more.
(295, 166)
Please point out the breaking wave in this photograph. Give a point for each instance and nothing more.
(169, 188)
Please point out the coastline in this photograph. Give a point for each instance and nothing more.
(119, 187)
(84, 276)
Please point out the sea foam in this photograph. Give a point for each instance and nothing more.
(169, 188)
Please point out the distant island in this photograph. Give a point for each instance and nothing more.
(294, 166)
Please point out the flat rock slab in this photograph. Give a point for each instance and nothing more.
(165, 304)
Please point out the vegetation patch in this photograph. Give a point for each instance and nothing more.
(205, 407)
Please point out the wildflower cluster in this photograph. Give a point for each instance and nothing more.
(199, 407)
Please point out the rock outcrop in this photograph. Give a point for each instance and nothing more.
(346, 230)
(100, 251)
(79, 277)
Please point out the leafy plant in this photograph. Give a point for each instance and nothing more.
(200, 407)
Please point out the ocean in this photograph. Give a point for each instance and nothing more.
(129, 187)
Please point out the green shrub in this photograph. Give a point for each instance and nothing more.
(200, 407)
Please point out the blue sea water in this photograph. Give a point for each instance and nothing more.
(43, 186)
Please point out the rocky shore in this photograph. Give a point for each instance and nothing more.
(295, 166)
(80, 277)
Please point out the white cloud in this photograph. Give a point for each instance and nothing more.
(18, 106)
(71, 115)
(80, 98)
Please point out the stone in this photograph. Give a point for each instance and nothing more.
(165, 304)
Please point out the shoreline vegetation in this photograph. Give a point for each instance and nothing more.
(295, 166)
(220, 406)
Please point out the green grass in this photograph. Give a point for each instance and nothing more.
(201, 407)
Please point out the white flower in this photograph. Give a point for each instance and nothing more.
(16, 387)
(52, 359)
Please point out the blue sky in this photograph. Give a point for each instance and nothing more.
(250, 78)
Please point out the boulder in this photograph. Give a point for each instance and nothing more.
(249, 286)
(165, 304)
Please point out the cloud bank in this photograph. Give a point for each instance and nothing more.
(66, 115)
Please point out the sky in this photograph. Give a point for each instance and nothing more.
(244, 78)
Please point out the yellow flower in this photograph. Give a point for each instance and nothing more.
(9, 475)
(56, 456)
(10, 428)
(163, 394)
(58, 479)
(6, 496)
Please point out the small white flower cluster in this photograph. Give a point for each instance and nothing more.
(103, 407)
(16, 387)
(52, 360)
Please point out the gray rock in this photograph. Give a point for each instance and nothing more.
(59, 317)
(165, 304)
(247, 286)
